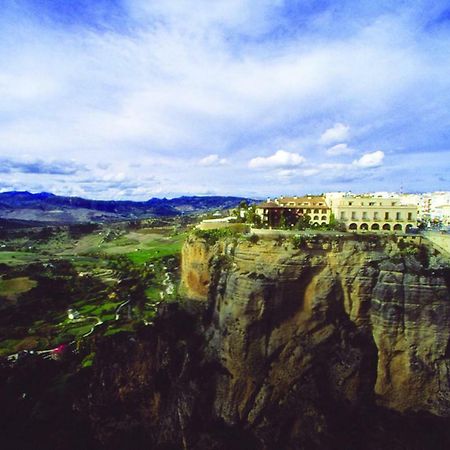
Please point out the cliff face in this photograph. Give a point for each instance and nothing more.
(358, 316)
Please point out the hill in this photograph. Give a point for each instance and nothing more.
(44, 207)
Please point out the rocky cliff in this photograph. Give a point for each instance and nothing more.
(344, 321)
(314, 343)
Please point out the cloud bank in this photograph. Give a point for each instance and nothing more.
(165, 93)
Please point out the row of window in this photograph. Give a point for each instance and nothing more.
(299, 204)
(378, 227)
(372, 203)
(310, 211)
(376, 216)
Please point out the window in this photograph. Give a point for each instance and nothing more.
(375, 216)
(364, 215)
(398, 216)
(342, 215)
(350, 203)
(316, 211)
(371, 203)
(409, 216)
(386, 216)
(393, 203)
(324, 211)
(353, 215)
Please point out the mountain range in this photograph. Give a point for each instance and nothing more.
(22, 206)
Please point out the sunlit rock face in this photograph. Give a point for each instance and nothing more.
(279, 311)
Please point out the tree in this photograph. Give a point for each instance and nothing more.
(336, 224)
(303, 222)
(133, 289)
(252, 217)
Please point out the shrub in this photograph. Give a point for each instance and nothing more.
(212, 236)
(297, 241)
(253, 238)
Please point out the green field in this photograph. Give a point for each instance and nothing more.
(15, 286)
(82, 272)
(158, 248)
(139, 245)
(21, 257)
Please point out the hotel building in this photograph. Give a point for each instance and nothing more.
(374, 213)
(291, 209)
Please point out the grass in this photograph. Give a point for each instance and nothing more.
(152, 293)
(17, 258)
(15, 286)
(112, 331)
(160, 248)
(88, 360)
(8, 346)
(79, 329)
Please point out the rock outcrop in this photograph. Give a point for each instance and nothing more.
(356, 320)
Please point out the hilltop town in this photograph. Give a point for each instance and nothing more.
(375, 212)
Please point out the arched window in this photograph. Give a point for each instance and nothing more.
(352, 226)
(386, 227)
(375, 226)
(397, 227)
(364, 226)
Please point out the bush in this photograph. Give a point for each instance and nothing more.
(297, 241)
(253, 238)
(212, 236)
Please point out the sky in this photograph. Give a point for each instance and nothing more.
(133, 99)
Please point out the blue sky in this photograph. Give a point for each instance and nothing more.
(134, 99)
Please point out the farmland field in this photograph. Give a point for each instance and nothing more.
(59, 285)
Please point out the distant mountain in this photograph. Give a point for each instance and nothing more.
(45, 207)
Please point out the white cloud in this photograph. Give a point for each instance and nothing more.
(338, 133)
(212, 160)
(279, 159)
(373, 159)
(340, 149)
(165, 80)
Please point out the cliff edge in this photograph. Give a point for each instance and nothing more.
(362, 320)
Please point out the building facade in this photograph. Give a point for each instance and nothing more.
(289, 211)
(374, 213)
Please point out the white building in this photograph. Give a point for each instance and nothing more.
(374, 213)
